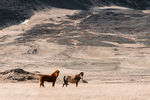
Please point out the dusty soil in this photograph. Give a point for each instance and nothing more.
(32, 91)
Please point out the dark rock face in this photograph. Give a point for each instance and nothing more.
(118, 21)
(135, 4)
(16, 11)
(18, 70)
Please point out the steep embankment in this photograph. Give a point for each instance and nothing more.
(15, 11)
(135, 4)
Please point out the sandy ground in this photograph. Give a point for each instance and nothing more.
(32, 91)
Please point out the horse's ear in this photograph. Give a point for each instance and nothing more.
(57, 71)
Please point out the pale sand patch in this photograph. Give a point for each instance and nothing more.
(113, 7)
(32, 91)
(146, 11)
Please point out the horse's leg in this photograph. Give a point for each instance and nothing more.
(76, 84)
(53, 84)
(63, 84)
(41, 83)
(66, 84)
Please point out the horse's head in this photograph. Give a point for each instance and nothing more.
(81, 74)
(56, 73)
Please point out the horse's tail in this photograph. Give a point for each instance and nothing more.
(65, 82)
(64, 79)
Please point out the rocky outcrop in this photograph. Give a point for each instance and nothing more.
(18, 75)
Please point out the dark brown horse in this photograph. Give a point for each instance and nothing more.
(73, 79)
(49, 78)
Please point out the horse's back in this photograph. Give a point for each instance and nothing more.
(47, 78)
(71, 79)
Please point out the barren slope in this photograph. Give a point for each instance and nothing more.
(72, 41)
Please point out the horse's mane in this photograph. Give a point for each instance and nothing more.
(55, 73)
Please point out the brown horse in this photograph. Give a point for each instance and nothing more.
(49, 78)
(73, 79)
